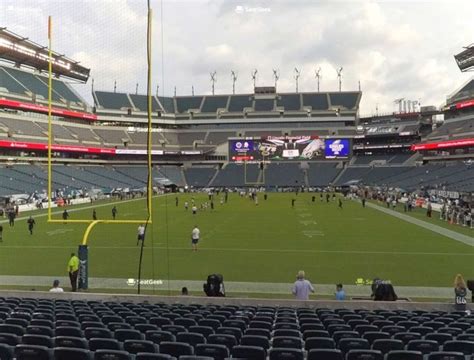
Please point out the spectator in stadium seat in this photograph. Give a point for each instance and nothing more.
(184, 291)
(56, 288)
(340, 293)
(460, 292)
(302, 287)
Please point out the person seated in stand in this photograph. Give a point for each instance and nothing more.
(340, 293)
(56, 288)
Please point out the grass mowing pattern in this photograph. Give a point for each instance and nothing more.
(265, 243)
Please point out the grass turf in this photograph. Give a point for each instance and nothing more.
(265, 243)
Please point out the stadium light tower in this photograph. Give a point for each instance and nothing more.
(317, 74)
(213, 79)
(115, 86)
(339, 76)
(157, 88)
(276, 76)
(254, 77)
(297, 76)
(399, 102)
(233, 75)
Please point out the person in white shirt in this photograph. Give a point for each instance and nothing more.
(141, 233)
(194, 209)
(56, 288)
(195, 234)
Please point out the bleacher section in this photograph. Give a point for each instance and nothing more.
(345, 99)
(199, 176)
(216, 138)
(110, 100)
(185, 103)
(290, 102)
(237, 175)
(284, 174)
(322, 174)
(212, 103)
(141, 102)
(264, 105)
(48, 329)
(454, 128)
(316, 101)
(237, 103)
(173, 173)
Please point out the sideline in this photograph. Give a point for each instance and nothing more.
(468, 240)
(230, 286)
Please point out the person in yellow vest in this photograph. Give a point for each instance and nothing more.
(73, 269)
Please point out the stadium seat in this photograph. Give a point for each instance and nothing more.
(136, 346)
(191, 338)
(467, 337)
(99, 343)
(143, 328)
(176, 348)
(259, 332)
(70, 342)
(12, 329)
(93, 332)
(39, 330)
(387, 345)
(338, 335)
(215, 351)
(32, 352)
(286, 354)
(319, 343)
(16, 321)
(68, 331)
(204, 330)
(255, 340)
(325, 354)
(41, 340)
(223, 339)
(111, 355)
(406, 337)
(235, 324)
(6, 352)
(61, 353)
(404, 355)
(185, 322)
(466, 347)
(249, 352)
(364, 355)
(212, 323)
(446, 355)
(424, 346)
(127, 334)
(236, 332)
(9, 339)
(286, 332)
(149, 356)
(440, 338)
(347, 344)
(174, 329)
(157, 336)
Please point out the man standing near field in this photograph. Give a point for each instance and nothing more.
(31, 224)
(73, 270)
(195, 235)
(140, 233)
(114, 212)
(302, 287)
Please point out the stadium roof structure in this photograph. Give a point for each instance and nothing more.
(465, 92)
(22, 51)
(465, 59)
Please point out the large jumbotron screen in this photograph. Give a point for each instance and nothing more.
(289, 148)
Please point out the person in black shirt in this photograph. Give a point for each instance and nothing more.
(94, 215)
(293, 202)
(114, 212)
(11, 218)
(65, 215)
(31, 224)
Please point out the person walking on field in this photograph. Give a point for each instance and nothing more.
(302, 287)
(65, 215)
(94, 215)
(31, 224)
(1, 233)
(141, 233)
(73, 270)
(195, 235)
(114, 212)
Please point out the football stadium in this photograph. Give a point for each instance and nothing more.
(318, 210)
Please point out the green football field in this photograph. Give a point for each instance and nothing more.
(265, 243)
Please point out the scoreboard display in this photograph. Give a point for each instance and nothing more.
(288, 148)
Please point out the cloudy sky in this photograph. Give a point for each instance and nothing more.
(395, 48)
